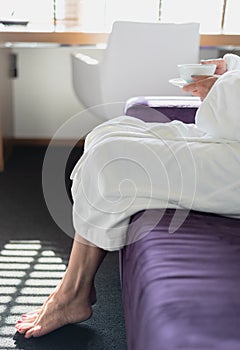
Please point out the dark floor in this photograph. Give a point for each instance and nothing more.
(33, 256)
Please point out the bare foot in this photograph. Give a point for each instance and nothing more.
(71, 301)
(57, 311)
(31, 316)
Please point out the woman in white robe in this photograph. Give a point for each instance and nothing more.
(129, 165)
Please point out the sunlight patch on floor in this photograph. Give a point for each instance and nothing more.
(29, 272)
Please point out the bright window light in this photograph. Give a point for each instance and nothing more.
(7, 330)
(232, 22)
(12, 274)
(50, 267)
(99, 15)
(46, 274)
(93, 15)
(207, 13)
(32, 10)
(7, 290)
(13, 266)
(36, 291)
(10, 281)
(25, 299)
(50, 260)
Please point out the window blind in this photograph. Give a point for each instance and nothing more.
(68, 12)
(218, 16)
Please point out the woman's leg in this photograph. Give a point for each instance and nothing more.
(72, 299)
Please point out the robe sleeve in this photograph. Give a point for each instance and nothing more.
(233, 61)
(219, 114)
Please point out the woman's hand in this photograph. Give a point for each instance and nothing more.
(201, 85)
(220, 63)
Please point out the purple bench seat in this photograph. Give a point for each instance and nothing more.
(181, 290)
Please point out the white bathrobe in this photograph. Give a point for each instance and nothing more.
(129, 165)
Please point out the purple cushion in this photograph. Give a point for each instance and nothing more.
(182, 290)
(163, 109)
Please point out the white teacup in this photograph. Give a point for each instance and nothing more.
(187, 70)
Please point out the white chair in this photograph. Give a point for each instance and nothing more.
(139, 60)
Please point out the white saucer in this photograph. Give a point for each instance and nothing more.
(178, 82)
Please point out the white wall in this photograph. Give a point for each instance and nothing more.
(43, 94)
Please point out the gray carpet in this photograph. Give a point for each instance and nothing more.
(33, 255)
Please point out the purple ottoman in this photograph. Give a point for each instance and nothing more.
(181, 290)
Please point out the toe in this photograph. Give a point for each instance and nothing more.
(29, 319)
(33, 332)
(23, 327)
(32, 312)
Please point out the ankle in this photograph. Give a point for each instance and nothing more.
(76, 289)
